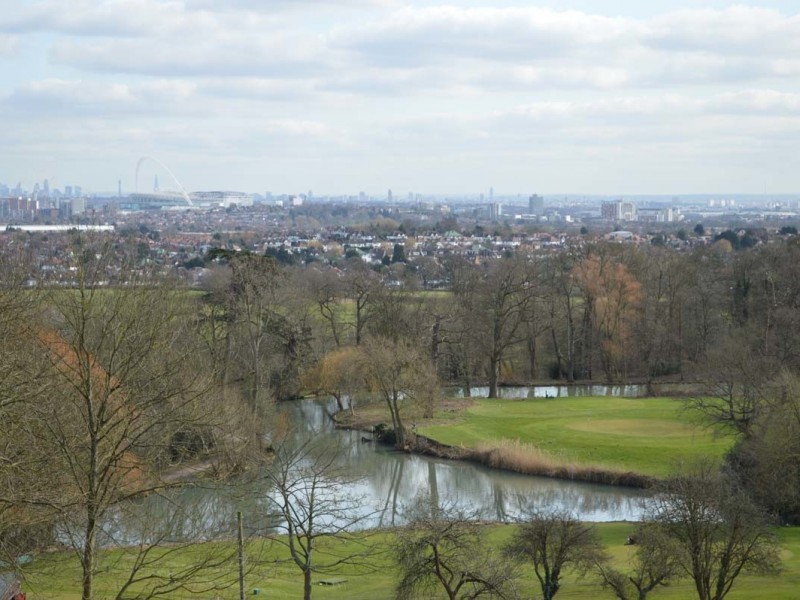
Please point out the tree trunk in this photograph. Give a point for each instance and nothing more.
(467, 384)
(532, 356)
(307, 589)
(437, 324)
(570, 348)
(557, 352)
(88, 557)
(399, 433)
(494, 368)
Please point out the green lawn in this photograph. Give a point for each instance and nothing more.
(643, 435)
(284, 581)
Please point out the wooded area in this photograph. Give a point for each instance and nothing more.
(105, 391)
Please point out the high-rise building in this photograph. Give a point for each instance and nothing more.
(536, 205)
(78, 206)
(389, 196)
(618, 211)
(608, 211)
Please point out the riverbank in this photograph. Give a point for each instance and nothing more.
(615, 441)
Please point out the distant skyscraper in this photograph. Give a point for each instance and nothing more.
(119, 188)
(618, 211)
(536, 205)
(77, 206)
(68, 191)
(155, 183)
(608, 211)
(389, 196)
(491, 194)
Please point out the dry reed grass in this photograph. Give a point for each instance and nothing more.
(528, 459)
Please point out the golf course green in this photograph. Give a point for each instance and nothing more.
(649, 436)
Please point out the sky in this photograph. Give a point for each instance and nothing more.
(341, 96)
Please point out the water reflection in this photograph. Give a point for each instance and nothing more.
(385, 481)
(391, 479)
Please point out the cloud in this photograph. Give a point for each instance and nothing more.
(228, 54)
(55, 98)
(90, 18)
(363, 82)
(541, 47)
(414, 35)
(386, 51)
(8, 45)
(260, 89)
(273, 5)
(770, 103)
(632, 120)
(737, 30)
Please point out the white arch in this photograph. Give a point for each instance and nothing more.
(169, 172)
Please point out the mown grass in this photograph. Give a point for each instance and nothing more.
(59, 577)
(648, 436)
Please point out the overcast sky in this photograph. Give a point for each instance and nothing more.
(592, 96)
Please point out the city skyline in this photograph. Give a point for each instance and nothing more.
(344, 95)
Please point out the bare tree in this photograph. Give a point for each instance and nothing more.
(312, 495)
(738, 389)
(404, 378)
(23, 527)
(360, 284)
(326, 290)
(253, 314)
(552, 542)
(562, 308)
(654, 563)
(719, 531)
(496, 311)
(124, 399)
(445, 548)
(768, 462)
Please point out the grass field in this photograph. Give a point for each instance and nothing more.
(642, 435)
(282, 581)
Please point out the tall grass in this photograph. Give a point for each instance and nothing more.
(528, 459)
